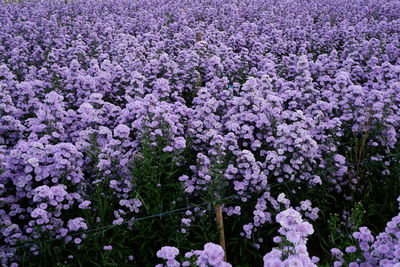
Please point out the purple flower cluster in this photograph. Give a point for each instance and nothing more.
(292, 249)
(382, 250)
(211, 256)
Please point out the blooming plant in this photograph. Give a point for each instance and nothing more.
(382, 250)
(211, 256)
(292, 249)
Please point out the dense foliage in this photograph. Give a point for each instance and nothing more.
(123, 123)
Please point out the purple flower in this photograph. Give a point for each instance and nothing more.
(77, 224)
(121, 131)
(351, 249)
(167, 253)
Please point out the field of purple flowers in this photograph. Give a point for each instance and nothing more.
(124, 123)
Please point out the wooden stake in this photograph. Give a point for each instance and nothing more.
(220, 228)
(199, 37)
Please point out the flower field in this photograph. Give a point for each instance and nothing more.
(200, 133)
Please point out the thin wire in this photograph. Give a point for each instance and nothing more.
(176, 211)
